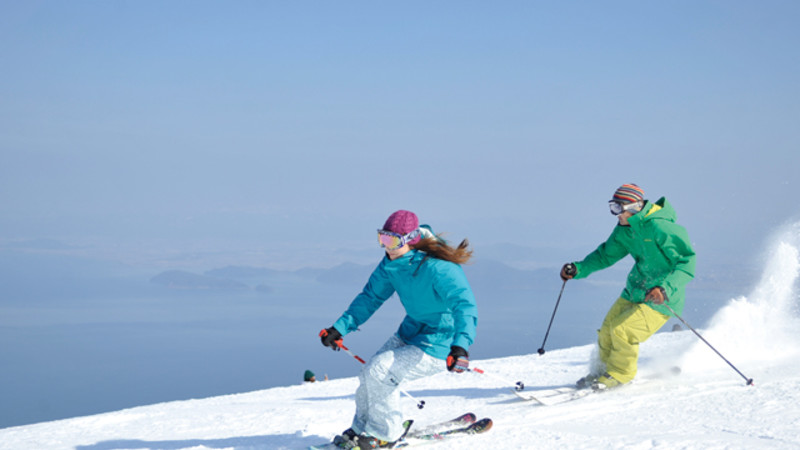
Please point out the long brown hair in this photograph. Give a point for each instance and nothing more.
(438, 248)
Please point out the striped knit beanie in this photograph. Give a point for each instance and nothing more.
(628, 193)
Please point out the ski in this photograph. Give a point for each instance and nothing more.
(459, 422)
(437, 431)
(481, 426)
(553, 396)
(334, 445)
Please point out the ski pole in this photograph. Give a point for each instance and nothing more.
(340, 344)
(541, 349)
(347, 350)
(420, 403)
(748, 380)
(519, 385)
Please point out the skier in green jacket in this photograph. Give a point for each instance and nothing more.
(664, 264)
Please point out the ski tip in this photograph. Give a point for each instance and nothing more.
(483, 425)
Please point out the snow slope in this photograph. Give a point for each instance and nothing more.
(707, 406)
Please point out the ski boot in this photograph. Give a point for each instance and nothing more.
(350, 440)
(605, 382)
(587, 381)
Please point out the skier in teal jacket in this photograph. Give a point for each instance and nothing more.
(439, 327)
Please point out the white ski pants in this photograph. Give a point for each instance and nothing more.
(378, 410)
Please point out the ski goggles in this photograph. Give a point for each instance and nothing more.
(618, 208)
(392, 241)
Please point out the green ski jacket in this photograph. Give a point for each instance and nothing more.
(661, 250)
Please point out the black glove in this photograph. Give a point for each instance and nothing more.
(568, 271)
(656, 296)
(457, 360)
(329, 337)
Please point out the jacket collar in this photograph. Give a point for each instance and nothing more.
(406, 258)
(660, 209)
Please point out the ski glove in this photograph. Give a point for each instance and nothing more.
(457, 360)
(656, 296)
(329, 337)
(568, 271)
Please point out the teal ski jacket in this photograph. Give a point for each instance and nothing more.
(439, 303)
(661, 250)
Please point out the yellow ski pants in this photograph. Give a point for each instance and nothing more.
(626, 325)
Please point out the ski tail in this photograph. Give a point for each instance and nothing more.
(407, 426)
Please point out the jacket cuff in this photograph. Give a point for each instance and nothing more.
(462, 342)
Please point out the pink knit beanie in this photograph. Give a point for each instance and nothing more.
(403, 222)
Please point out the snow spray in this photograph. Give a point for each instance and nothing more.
(762, 326)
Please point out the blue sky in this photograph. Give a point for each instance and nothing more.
(204, 127)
